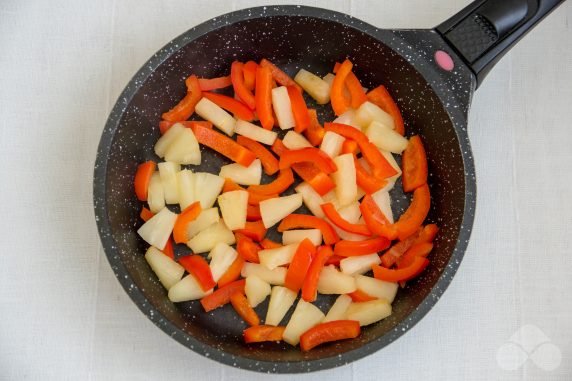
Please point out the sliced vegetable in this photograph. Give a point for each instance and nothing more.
(355, 248)
(261, 333)
(339, 221)
(299, 265)
(328, 332)
(187, 289)
(389, 258)
(168, 271)
(269, 162)
(297, 236)
(253, 213)
(366, 180)
(332, 144)
(208, 238)
(349, 146)
(360, 296)
(279, 185)
(187, 216)
(413, 218)
(275, 209)
(208, 84)
(246, 175)
(145, 214)
(345, 179)
(331, 281)
(270, 244)
(254, 230)
(381, 97)
(304, 221)
(224, 145)
(241, 306)
(237, 108)
(233, 207)
(299, 109)
(254, 132)
(317, 179)
(222, 296)
(305, 316)
(256, 290)
(186, 107)
(310, 285)
(313, 85)
(383, 201)
(417, 250)
(357, 93)
(210, 111)
(233, 272)
(240, 89)
(278, 75)
(293, 140)
(339, 102)
(281, 299)
(155, 193)
(414, 163)
(157, 230)
(415, 268)
(360, 264)
(367, 313)
(247, 249)
(377, 288)
(315, 132)
(275, 277)
(283, 108)
(385, 138)
(199, 268)
(376, 220)
(313, 155)
(263, 97)
(249, 71)
(142, 179)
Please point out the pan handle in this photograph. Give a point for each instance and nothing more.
(486, 29)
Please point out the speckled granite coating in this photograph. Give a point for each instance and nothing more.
(434, 104)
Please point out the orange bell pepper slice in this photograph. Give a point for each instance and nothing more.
(375, 219)
(261, 333)
(305, 221)
(237, 108)
(249, 70)
(380, 167)
(199, 268)
(395, 252)
(254, 230)
(164, 125)
(417, 265)
(142, 179)
(233, 272)
(310, 285)
(428, 234)
(222, 296)
(253, 198)
(168, 249)
(355, 88)
(333, 215)
(263, 97)
(279, 185)
(253, 213)
(208, 84)
(334, 260)
(299, 109)
(355, 248)
(269, 244)
(359, 296)
(268, 161)
(414, 164)
(366, 181)
(278, 147)
(230, 186)
(350, 146)
(146, 214)
(187, 216)
(413, 218)
(340, 103)
(278, 75)
(223, 145)
(240, 89)
(328, 332)
(382, 99)
(241, 306)
(186, 107)
(318, 180)
(315, 132)
(300, 265)
(310, 154)
(417, 250)
(246, 248)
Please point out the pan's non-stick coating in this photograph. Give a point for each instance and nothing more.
(291, 42)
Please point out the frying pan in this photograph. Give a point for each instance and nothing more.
(431, 73)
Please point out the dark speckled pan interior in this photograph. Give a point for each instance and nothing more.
(434, 104)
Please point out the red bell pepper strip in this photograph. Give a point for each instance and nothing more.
(305, 221)
(253, 198)
(278, 147)
(428, 234)
(381, 168)
(334, 260)
(146, 214)
(224, 145)
(254, 230)
(328, 332)
(142, 179)
(350, 146)
(168, 249)
(187, 216)
(339, 102)
(278, 75)
(391, 256)
(198, 267)
(241, 306)
(164, 125)
(375, 219)
(279, 185)
(315, 132)
(413, 218)
(417, 250)
(246, 248)
(240, 89)
(381, 98)
(359, 296)
(233, 272)
(300, 265)
(186, 107)
(230, 186)
(343, 224)
(356, 90)
(269, 244)
(366, 181)
(414, 164)
(355, 248)
(253, 213)
(415, 268)
(249, 70)
(237, 108)
(320, 181)
(263, 96)
(269, 162)
(310, 154)
(261, 333)
(299, 109)
(208, 84)
(222, 296)
(310, 286)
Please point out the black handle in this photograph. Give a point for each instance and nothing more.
(486, 29)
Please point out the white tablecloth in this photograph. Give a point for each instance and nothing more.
(64, 315)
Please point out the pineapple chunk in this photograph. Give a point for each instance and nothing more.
(207, 187)
(272, 258)
(367, 313)
(187, 289)
(275, 209)
(338, 310)
(256, 290)
(345, 179)
(250, 175)
(186, 186)
(221, 119)
(155, 194)
(385, 138)
(207, 218)
(281, 299)
(168, 172)
(185, 149)
(293, 140)
(168, 271)
(332, 281)
(369, 112)
(282, 107)
(275, 277)
(377, 288)
(297, 236)
(313, 85)
(383, 201)
(254, 132)
(332, 144)
(222, 256)
(359, 264)
(349, 118)
(233, 207)
(207, 239)
(168, 138)
(157, 230)
(305, 316)
(311, 198)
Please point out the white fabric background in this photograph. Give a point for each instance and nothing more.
(64, 315)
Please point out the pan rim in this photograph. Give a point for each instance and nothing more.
(457, 116)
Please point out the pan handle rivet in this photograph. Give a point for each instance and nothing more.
(444, 60)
